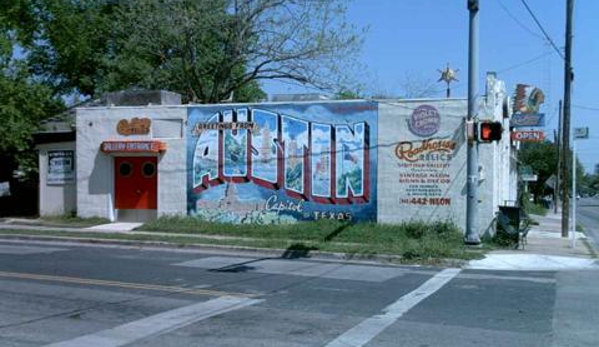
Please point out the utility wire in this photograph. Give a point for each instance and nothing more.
(525, 62)
(586, 107)
(542, 29)
(517, 21)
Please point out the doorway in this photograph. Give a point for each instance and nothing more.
(136, 183)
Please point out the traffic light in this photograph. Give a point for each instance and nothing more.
(489, 131)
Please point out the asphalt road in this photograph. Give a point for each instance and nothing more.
(587, 215)
(63, 295)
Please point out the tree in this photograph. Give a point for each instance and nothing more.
(24, 105)
(542, 157)
(346, 94)
(24, 101)
(209, 49)
(74, 44)
(414, 86)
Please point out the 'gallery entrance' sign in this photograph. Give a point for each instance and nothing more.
(133, 146)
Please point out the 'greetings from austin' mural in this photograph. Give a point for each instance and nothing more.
(281, 163)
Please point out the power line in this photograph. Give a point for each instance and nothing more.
(586, 108)
(532, 60)
(542, 29)
(555, 111)
(517, 21)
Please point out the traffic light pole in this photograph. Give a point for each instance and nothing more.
(471, 237)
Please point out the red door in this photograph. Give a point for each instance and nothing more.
(136, 182)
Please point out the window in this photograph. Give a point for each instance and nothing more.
(148, 169)
(125, 169)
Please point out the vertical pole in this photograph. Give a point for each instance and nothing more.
(555, 184)
(472, 236)
(566, 130)
(558, 143)
(574, 194)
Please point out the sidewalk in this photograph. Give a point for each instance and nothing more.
(546, 250)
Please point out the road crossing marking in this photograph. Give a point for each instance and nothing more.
(158, 324)
(366, 330)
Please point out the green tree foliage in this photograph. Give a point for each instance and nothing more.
(588, 184)
(346, 94)
(23, 105)
(212, 49)
(24, 100)
(207, 50)
(542, 157)
(74, 43)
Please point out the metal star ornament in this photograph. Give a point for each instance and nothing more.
(448, 75)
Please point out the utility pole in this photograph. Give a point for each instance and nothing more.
(568, 77)
(558, 144)
(471, 236)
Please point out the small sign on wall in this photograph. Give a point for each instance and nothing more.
(61, 167)
(135, 126)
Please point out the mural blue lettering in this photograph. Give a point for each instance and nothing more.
(268, 164)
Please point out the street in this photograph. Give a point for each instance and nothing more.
(60, 294)
(588, 216)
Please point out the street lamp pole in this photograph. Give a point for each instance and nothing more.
(472, 237)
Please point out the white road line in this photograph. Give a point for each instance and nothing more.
(158, 324)
(362, 333)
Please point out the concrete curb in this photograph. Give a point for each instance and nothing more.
(590, 245)
(381, 259)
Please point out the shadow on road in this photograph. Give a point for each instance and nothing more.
(295, 251)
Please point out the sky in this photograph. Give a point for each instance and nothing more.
(417, 37)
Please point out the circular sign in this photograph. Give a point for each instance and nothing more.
(425, 121)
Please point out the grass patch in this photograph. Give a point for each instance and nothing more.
(429, 250)
(413, 241)
(71, 220)
(532, 208)
(502, 240)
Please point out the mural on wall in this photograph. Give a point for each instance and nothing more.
(282, 163)
(425, 174)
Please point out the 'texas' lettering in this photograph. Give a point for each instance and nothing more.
(413, 151)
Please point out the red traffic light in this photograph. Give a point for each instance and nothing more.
(490, 131)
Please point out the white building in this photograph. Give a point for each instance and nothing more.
(386, 161)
